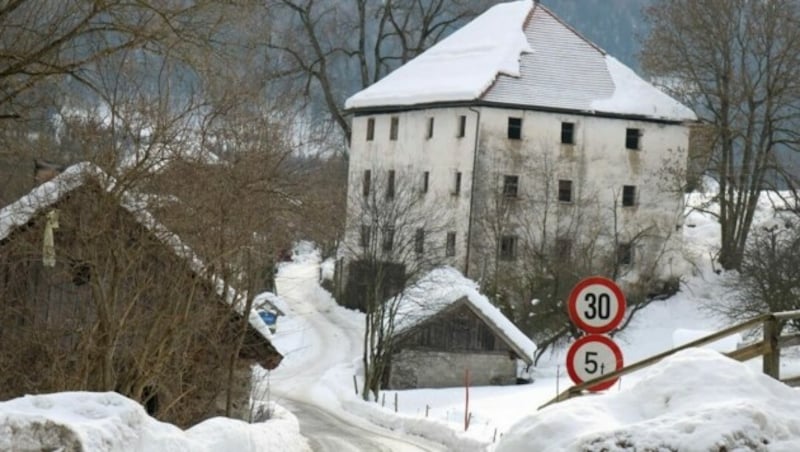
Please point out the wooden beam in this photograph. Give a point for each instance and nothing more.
(578, 389)
(789, 340)
(771, 364)
(749, 352)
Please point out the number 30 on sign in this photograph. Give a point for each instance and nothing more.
(596, 305)
(591, 357)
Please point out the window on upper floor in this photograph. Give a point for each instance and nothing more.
(633, 138)
(450, 245)
(510, 186)
(565, 190)
(563, 248)
(429, 131)
(624, 254)
(388, 239)
(366, 182)
(370, 129)
(567, 133)
(462, 126)
(364, 236)
(419, 241)
(508, 248)
(457, 183)
(390, 185)
(628, 195)
(394, 126)
(514, 128)
(426, 176)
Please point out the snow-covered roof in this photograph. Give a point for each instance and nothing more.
(534, 60)
(443, 287)
(45, 195)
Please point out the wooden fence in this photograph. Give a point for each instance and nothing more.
(769, 347)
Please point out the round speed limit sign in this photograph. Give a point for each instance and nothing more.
(596, 305)
(592, 356)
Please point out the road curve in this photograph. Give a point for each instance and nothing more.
(329, 339)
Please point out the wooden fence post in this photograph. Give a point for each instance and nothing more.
(772, 358)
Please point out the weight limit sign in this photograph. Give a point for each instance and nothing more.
(593, 356)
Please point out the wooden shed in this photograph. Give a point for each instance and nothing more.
(445, 328)
(95, 294)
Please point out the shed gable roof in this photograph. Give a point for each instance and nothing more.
(49, 193)
(534, 60)
(442, 288)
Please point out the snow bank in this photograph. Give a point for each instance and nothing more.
(110, 422)
(696, 400)
(461, 66)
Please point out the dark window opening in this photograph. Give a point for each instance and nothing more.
(508, 248)
(366, 182)
(510, 186)
(632, 138)
(81, 273)
(462, 126)
(563, 248)
(628, 195)
(370, 129)
(419, 241)
(364, 237)
(395, 125)
(567, 133)
(624, 254)
(565, 190)
(425, 181)
(457, 183)
(514, 128)
(450, 248)
(388, 239)
(150, 400)
(390, 185)
(429, 134)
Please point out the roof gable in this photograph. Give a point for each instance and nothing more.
(444, 287)
(49, 193)
(535, 60)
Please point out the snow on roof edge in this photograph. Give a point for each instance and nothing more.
(477, 41)
(48, 193)
(441, 288)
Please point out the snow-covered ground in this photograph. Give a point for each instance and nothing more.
(107, 421)
(495, 410)
(696, 400)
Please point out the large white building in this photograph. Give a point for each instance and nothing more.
(517, 130)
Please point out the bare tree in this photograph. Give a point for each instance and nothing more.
(738, 64)
(534, 247)
(769, 277)
(333, 49)
(396, 237)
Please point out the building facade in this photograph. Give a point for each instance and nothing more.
(567, 146)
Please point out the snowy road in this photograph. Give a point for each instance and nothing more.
(321, 344)
(329, 432)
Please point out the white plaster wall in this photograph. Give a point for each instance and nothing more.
(410, 156)
(598, 164)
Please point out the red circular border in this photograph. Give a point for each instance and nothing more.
(573, 349)
(572, 304)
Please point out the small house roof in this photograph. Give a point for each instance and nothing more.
(521, 54)
(49, 193)
(443, 287)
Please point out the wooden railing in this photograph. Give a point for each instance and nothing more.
(769, 347)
